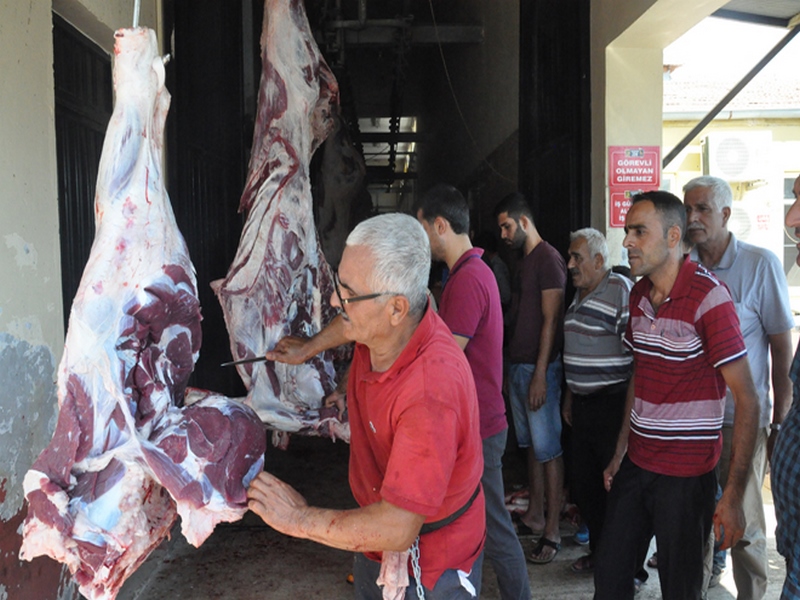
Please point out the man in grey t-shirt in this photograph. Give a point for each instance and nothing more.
(758, 286)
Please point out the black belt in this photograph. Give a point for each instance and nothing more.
(429, 527)
(609, 390)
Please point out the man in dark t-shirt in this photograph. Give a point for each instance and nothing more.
(535, 374)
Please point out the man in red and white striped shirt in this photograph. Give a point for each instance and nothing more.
(687, 346)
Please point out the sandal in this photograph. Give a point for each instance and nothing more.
(585, 564)
(523, 530)
(533, 557)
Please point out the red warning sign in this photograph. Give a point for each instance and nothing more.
(634, 166)
(620, 203)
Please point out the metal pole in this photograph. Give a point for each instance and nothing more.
(136, 6)
(362, 12)
(729, 96)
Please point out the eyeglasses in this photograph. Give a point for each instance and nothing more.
(344, 301)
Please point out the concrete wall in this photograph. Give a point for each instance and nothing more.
(486, 80)
(31, 320)
(627, 42)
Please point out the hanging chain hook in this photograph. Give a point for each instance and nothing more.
(136, 6)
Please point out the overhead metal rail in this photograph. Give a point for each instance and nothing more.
(793, 22)
(382, 137)
(736, 15)
(420, 35)
(401, 34)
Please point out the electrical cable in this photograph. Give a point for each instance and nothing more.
(455, 100)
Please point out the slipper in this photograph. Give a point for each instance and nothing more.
(543, 541)
(522, 529)
(585, 564)
(525, 531)
(652, 562)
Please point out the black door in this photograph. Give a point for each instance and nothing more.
(83, 103)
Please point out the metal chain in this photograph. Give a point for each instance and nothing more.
(415, 568)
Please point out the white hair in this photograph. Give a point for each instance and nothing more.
(402, 256)
(595, 241)
(721, 192)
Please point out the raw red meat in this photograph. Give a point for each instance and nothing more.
(279, 283)
(126, 458)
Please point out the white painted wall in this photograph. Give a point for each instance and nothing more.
(30, 306)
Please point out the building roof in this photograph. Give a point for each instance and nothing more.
(767, 92)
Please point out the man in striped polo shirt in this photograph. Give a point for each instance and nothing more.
(597, 366)
(687, 346)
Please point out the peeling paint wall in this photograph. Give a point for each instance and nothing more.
(27, 414)
(31, 320)
(31, 331)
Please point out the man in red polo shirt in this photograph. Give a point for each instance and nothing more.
(687, 345)
(415, 449)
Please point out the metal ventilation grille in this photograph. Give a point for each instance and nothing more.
(737, 155)
(733, 157)
(740, 223)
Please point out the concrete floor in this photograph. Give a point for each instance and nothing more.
(249, 561)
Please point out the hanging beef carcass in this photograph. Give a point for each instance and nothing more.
(341, 197)
(126, 458)
(279, 283)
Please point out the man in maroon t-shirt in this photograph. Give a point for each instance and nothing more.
(470, 307)
(535, 374)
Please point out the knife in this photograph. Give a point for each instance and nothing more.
(244, 361)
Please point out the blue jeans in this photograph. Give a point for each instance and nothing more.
(540, 429)
(449, 587)
(503, 549)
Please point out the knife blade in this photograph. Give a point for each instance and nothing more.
(244, 361)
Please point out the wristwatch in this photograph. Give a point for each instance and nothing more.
(776, 427)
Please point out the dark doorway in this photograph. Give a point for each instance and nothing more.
(555, 116)
(209, 131)
(83, 103)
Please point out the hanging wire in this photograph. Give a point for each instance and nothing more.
(137, 4)
(455, 100)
